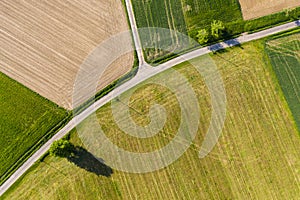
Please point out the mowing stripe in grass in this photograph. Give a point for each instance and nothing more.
(285, 59)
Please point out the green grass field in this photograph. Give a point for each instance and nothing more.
(189, 16)
(184, 16)
(284, 54)
(201, 13)
(257, 156)
(163, 14)
(25, 118)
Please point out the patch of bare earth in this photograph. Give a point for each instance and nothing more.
(43, 43)
(258, 8)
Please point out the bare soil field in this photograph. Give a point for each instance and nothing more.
(43, 43)
(258, 8)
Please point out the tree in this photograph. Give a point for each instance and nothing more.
(202, 36)
(287, 12)
(217, 28)
(61, 148)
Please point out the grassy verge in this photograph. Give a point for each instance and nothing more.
(26, 120)
(256, 157)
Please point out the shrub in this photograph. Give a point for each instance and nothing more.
(61, 148)
(202, 36)
(217, 28)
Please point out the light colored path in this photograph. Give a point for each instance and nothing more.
(135, 34)
(143, 74)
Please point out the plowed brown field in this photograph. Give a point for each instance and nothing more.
(43, 43)
(258, 8)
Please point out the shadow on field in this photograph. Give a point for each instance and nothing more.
(219, 48)
(85, 160)
(233, 42)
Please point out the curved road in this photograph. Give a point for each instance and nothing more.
(144, 73)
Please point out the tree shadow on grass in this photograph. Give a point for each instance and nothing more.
(85, 160)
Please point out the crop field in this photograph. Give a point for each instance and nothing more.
(151, 14)
(258, 8)
(25, 118)
(43, 43)
(163, 14)
(257, 156)
(201, 13)
(284, 54)
(190, 16)
(184, 16)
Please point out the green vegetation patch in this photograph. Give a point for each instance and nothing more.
(202, 13)
(284, 54)
(162, 13)
(166, 14)
(25, 118)
(194, 18)
(254, 25)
